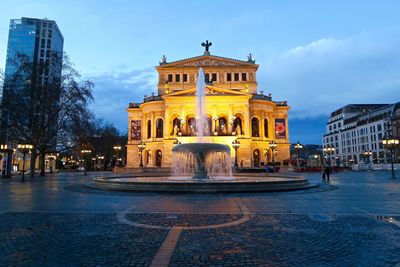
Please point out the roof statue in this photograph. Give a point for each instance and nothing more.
(163, 60)
(250, 58)
(207, 45)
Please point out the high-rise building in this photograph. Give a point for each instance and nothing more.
(39, 39)
(41, 42)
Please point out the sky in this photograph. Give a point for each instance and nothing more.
(317, 55)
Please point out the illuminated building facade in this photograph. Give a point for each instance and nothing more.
(235, 111)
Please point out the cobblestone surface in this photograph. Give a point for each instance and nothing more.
(71, 239)
(292, 240)
(170, 220)
(353, 221)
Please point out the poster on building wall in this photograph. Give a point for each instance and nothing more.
(136, 130)
(280, 129)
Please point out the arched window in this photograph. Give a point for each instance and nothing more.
(191, 126)
(159, 128)
(266, 127)
(222, 126)
(176, 125)
(237, 126)
(148, 129)
(254, 127)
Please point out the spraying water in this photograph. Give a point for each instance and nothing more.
(200, 107)
(201, 160)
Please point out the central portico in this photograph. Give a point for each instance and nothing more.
(235, 111)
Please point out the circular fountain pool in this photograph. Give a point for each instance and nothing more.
(188, 185)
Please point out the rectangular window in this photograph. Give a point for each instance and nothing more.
(244, 77)
(379, 127)
(236, 77)
(214, 77)
(170, 78)
(229, 77)
(177, 78)
(185, 78)
(207, 77)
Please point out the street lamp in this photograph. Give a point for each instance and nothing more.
(84, 153)
(236, 145)
(272, 145)
(367, 155)
(298, 146)
(141, 147)
(329, 150)
(24, 148)
(101, 163)
(51, 158)
(6, 170)
(117, 150)
(390, 143)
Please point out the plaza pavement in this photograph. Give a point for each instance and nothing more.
(55, 221)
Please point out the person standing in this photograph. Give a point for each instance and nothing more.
(327, 169)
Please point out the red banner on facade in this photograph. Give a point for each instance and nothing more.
(280, 129)
(136, 130)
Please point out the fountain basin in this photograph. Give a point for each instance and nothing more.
(166, 184)
(201, 160)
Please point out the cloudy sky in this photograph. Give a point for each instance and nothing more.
(317, 55)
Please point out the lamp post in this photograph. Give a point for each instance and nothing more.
(51, 158)
(390, 143)
(272, 145)
(117, 150)
(297, 147)
(141, 147)
(6, 170)
(236, 145)
(84, 153)
(24, 148)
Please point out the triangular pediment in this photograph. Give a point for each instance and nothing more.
(208, 61)
(210, 91)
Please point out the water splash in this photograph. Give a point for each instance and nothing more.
(200, 105)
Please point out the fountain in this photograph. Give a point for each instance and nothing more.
(201, 167)
(201, 160)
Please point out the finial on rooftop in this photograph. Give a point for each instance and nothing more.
(207, 45)
(250, 58)
(163, 60)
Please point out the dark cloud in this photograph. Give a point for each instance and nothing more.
(113, 92)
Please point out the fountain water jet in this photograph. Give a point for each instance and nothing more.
(201, 160)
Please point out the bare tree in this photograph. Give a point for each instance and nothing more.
(41, 106)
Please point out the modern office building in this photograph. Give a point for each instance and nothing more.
(41, 42)
(39, 39)
(355, 132)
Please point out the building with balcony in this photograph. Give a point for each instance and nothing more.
(234, 107)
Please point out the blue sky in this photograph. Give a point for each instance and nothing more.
(317, 55)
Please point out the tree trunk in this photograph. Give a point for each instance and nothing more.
(42, 164)
(32, 164)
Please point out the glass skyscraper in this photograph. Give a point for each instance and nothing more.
(38, 39)
(41, 42)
